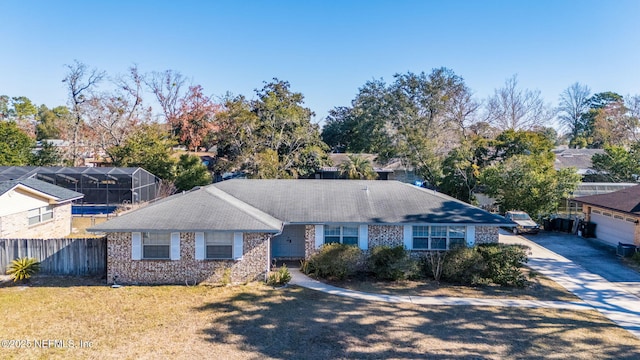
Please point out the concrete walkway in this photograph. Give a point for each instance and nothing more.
(614, 302)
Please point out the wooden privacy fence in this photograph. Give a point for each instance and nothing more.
(58, 256)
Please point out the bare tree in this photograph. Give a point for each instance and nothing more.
(167, 88)
(519, 109)
(462, 109)
(80, 83)
(112, 116)
(574, 102)
(633, 104)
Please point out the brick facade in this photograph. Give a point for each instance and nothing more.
(386, 235)
(252, 266)
(16, 225)
(309, 241)
(487, 234)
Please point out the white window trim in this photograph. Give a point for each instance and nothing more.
(136, 246)
(363, 237)
(319, 232)
(238, 244)
(408, 236)
(174, 246)
(174, 242)
(201, 247)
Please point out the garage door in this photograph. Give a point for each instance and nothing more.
(613, 228)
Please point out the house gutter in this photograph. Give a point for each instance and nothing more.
(268, 268)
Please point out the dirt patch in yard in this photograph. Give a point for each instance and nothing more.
(257, 322)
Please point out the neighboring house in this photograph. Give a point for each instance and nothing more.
(580, 159)
(394, 169)
(616, 214)
(100, 185)
(34, 209)
(242, 225)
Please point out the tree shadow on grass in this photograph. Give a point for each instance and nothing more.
(301, 323)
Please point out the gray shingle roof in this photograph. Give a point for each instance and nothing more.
(59, 193)
(354, 201)
(577, 158)
(203, 209)
(264, 205)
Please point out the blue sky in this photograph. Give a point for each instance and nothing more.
(325, 49)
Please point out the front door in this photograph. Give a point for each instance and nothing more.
(289, 244)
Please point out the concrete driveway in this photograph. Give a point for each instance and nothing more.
(592, 255)
(618, 298)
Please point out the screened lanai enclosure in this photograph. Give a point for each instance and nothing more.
(100, 185)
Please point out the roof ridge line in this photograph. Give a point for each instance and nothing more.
(250, 210)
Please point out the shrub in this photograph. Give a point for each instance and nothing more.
(464, 266)
(433, 263)
(280, 277)
(226, 277)
(22, 269)
(392, 263)
(336, 261)
(503, 263)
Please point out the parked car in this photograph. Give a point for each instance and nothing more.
(525, 225)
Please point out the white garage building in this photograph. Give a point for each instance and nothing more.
(616, 214)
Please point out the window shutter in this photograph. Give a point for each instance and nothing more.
(408, 237)
(136, 246)
(319, 236)
(175, 246)
(363, 237)
(471, 236)
(200, 247)
(237, 245)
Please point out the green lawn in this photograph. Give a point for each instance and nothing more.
(255, 322)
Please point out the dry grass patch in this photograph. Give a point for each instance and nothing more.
(256, 322)
(79, 225)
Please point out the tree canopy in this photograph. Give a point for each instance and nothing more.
(15, 147)
(270, 137)
(529, 183)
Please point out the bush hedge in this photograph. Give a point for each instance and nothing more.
(334, 261)
(392, 263)
(483, 264)
(486, 264)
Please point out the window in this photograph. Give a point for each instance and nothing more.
(438, 237)
(420, 237)
(347, 235)
(219, 245)
(156, 245)
(456, 236)
(596, 212)
(40, 214)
